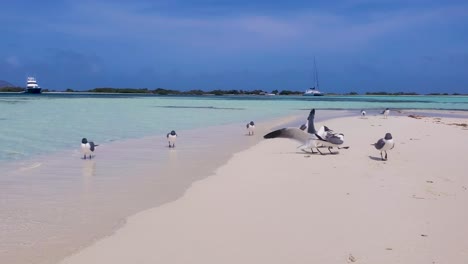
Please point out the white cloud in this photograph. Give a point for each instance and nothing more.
(301, 29)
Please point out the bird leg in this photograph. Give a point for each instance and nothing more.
(313, 152)
(319, 151)
(84, 157)
(381, 155)
(385, 155)
(329, 149)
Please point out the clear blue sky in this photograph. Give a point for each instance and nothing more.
(359, 45)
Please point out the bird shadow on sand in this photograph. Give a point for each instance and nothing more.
(376, 158)
(314, 153)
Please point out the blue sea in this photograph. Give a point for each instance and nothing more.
(52, 202)
(42, 124)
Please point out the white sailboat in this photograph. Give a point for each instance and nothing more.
(314, 91)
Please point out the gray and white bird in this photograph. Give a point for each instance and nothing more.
(324, 132)
(87, 148)
(363, 113)
(386, 112)
(385, 144)
(310, 138)
(250, 127)
(171, 137)
(329, 135)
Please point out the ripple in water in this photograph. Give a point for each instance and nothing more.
(13, 153)
(30, 166)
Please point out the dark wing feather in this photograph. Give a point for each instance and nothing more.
(310, 122)
(92, 146)
(335, 140)
(333, 137)
(319, 137)
(380, 144)
(291, 133)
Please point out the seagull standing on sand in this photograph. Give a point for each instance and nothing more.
(171, 137)
(310, 139)
(250, 127)
(386, 112)
(385, 144)
(363, 113)
(87, 148)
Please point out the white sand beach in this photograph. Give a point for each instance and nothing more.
(276, 204)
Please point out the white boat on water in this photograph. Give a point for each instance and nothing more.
(32, 86)
(314, 91)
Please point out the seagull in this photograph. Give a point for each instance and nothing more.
(329, 135)
(363, 113)
(385, 144)
(329, 138)
(324, 132)
(386, 112)
(87, 147)
(310, 139)
(171, 136)
(250, 127)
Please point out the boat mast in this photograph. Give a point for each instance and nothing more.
(316, 76)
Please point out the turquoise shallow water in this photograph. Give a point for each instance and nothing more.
(42, 124)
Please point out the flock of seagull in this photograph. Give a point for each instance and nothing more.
(88, 147)
(324, 137)
(306, 134)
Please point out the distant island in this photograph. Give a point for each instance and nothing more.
(7, 87)
(162, 91)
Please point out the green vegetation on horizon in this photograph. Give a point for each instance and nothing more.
(11, 89)
(162, 91)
